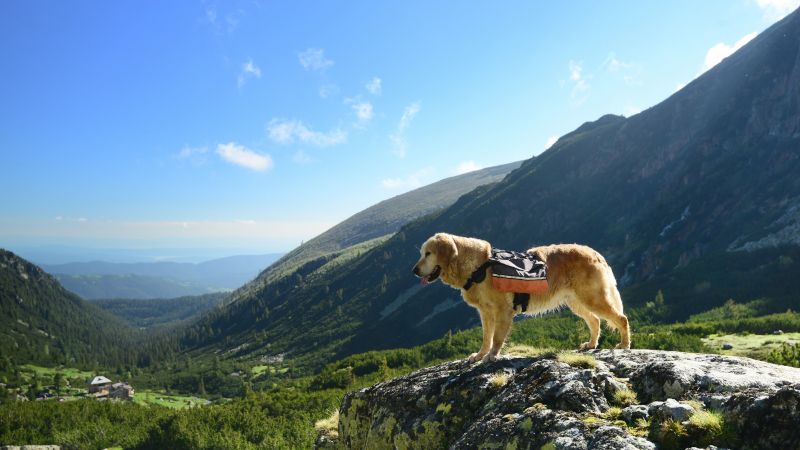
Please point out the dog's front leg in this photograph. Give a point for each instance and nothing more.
(487, 323)
(502, 325)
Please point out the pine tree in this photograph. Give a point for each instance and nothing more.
(201, 388)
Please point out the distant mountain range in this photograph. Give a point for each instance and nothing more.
(104, 280)
(698, 196)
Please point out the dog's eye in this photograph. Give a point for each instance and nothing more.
(427, 254)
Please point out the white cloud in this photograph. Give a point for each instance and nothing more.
(287, 131)
(363, 111)
(614, 64)
(398, 138)
(374, 86)
(580, 86)
(717, 53)
(412, 181)
(314, 59)
(211, 15)
(629, 71)
(301, 157)
(630, 110)
(189, 152)
(244, 157)
(231, 19)
(249, 70)
(327, 90)
(550, 141)
(466, 166)
(575, 70)
(777, 9)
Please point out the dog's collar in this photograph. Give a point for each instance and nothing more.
(478, 275)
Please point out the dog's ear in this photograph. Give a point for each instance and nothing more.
(446, 248)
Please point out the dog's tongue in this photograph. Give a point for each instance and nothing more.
(424, 281)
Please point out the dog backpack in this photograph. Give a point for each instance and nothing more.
(520, 273)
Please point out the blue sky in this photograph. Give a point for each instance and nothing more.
(259, 124)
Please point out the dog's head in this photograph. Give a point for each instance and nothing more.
(436, 254)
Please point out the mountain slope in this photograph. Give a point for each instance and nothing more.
(42, 322)
(669, 196)
(385, 218)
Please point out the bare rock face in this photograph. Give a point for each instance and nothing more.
(541, 402)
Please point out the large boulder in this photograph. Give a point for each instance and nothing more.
(542, 402)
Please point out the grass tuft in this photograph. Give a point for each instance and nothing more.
(625, 397)
(329, 426)
(613, 413)
(498, 379)
(581, 360)
(526, 351)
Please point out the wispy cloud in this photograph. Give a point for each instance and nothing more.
(288, 131)
(580, 85)
(194, 155)
(777, 9)
(466, 167)
(301, 157)
(398, 138)
(374, 86)
(244, 157)
(628, 70)
(229, 23)
(71, 219)
(188, 152)
(173, 229)
(720, 51)
(328, 90)
(363, 112)
(550, 141)
(249, 70)
(314, 59)
(414, 180)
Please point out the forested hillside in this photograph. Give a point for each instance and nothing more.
(44, 323)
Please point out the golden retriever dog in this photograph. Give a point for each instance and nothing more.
(577, 276)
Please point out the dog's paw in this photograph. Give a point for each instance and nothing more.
(475, 357)
(623, 347)
(587, 346)
(489, 358)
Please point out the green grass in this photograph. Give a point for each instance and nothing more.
(67, 372)
(272, 370)
(751, 345)
(148, 397)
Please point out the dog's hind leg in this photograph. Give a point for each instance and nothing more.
(616, 318)
(620, 322)
(592, 321)
(488, 324)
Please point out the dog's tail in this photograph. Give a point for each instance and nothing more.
(612, 293)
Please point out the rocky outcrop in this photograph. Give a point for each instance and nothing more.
(554, 402)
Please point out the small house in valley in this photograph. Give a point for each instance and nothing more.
(99, 386)
(120, 390)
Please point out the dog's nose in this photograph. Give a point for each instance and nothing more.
(416, 270)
